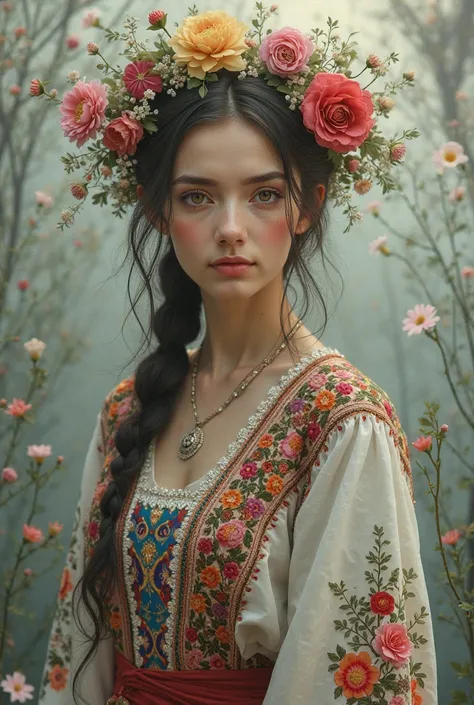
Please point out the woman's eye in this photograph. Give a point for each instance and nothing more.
(197, 197)
(267, 195)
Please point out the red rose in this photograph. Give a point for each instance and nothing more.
(382, 603)
(205, 546)
(191, 635)
(338, 111)
(123, 134)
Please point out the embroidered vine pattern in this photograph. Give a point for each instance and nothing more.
(381, 662)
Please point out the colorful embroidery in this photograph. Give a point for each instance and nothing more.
(376, 629)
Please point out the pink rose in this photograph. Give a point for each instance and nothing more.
(123, 134)
(451, 537)
(193, 659)
(393, 644)
(286, 51)
(338, 111)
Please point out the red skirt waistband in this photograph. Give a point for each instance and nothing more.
(147, 686)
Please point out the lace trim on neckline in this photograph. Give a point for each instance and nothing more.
(147, 480)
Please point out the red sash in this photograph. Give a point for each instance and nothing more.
(150, 686)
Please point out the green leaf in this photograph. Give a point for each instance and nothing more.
(194, 82)
(149, 126)
(101, 67)
(212, 77)
(284, 89)
(203, 90)
(274, 81)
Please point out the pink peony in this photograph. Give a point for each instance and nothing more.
(83, 111)
(393, 644)
(138, 79)
(292, 445)
(39, 453)
(451, 537)
(423, 443)
(286, 51)
(231, 534)
(31, 534)
(193, 659)
(73, 41)
(420, 318)
(16, 686)
(9, 475)
(338, 111)
(18, 408)
(123, 134)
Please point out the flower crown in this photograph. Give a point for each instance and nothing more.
(312, 70)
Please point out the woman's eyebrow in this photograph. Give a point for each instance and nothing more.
(201, 180)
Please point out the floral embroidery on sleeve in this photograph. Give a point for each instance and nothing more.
(380, 664)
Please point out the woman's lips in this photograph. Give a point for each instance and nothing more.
(232, 270)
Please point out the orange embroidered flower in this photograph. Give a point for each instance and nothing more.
(266, 441)
(356, 675)
(211, 576)
(232, 499)
(115, 620)
(415, 697)
(325, 400)
(274, 484)
(124, 385)
(198, 603)
(113, 410)
(58, 677)
(66, 584)
(223, 635)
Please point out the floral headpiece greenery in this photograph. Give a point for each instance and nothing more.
(313, 71)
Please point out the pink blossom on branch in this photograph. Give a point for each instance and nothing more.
(449, 156)
(39, 452)
(451, 537)
(23, 284)
(91, 19)
(43, 199)
(18, 408)
(73, 41)
(31, 534)
(467, 272)
(457, 194)
(420, 318)
(423, 443)
(54, 528)
(9, 475)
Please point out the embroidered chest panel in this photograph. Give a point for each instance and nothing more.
(189, 559)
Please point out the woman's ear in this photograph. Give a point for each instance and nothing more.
(305, 222)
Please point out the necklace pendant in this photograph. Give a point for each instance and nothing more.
(190, 443)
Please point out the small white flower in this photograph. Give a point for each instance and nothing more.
(379, 245)
(35, 348)
(73, 76)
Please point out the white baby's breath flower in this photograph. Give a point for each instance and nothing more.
(73, 76)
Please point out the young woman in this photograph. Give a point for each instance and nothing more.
(246, 530)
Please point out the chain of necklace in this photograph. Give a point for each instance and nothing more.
(192, 441)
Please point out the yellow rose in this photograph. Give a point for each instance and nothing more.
(209, 42)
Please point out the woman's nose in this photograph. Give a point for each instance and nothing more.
(231, 225)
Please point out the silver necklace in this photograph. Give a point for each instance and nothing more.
(192, 441)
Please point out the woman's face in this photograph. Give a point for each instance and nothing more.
(228, 199)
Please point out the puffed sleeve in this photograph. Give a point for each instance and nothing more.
(359, 627)
(67, 646)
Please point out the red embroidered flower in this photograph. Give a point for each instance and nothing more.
(191, 634)
(388, 408)
(314, 430)
(93, 530)
(344, 388)
(267, 466)
(221, 597)
(231, 570)
(283, 468)
(137, 79)
(205, 546)
(217, 661)
(211, 576)
(115, 620)
(356, 675)
(382, 603)
(66, 584)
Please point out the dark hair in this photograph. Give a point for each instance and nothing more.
(177, 321)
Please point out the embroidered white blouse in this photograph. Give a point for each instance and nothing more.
(337, 599)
